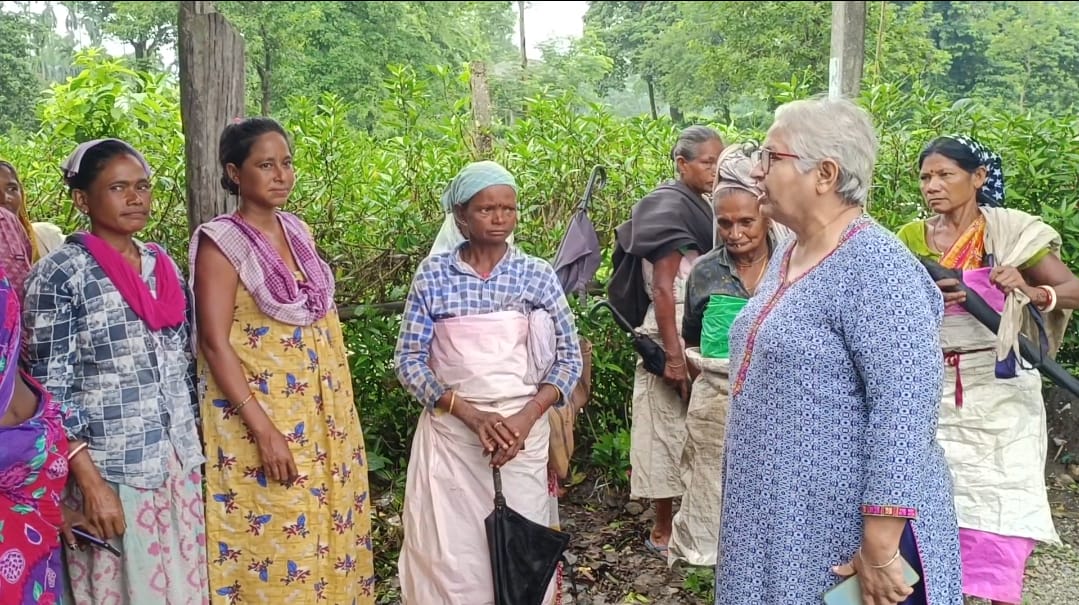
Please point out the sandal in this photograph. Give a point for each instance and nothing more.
(652, 547)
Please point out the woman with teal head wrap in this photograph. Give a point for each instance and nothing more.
(471, 180)
(487, 346)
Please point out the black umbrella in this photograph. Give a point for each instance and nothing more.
(524, 554)
(579, 255)
(988, 316)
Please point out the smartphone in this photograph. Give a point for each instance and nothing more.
(849, 591)
(93, 540)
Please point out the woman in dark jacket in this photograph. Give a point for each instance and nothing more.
(667, 232)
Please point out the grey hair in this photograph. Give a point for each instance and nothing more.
(690, 140)
(837, 129)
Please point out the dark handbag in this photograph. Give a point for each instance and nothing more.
(524, 554)
(653, 357)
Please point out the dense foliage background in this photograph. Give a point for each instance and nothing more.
(376, 98)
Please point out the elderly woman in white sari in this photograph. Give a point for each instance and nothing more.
(717, 288)
(473, 320)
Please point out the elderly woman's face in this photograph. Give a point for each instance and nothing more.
(739, 222)
(782, 185)
(699, 174)
(490, 216)
(946, 187)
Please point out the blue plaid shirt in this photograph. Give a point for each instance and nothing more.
(125, 390)
(444, 287)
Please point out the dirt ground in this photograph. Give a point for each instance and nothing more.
(612, 566)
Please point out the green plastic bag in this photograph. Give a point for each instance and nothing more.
(718, 317)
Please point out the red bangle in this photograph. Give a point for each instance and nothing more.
(1052, 302)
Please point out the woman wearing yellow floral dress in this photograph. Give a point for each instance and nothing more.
(287, 510)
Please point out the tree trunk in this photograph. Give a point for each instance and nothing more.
(264, 87)
(211, 61)
(652, 98)
(521, 26)
(481, 111)
(676, 115)
(265, 71)
(725, 112)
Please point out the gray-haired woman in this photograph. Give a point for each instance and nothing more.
(832, 465)
(656, 248)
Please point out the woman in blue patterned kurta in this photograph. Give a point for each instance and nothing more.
(831, 464)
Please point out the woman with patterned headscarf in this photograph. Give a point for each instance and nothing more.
(992, 418)
(717, 287)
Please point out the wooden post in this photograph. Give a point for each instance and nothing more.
(481, 110)
(211, 61)
(848, 49)
(521, 26)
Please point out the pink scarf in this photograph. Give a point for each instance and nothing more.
(167, 310)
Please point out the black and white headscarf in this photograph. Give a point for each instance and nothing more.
(991, 192)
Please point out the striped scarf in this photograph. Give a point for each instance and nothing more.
(277, 292)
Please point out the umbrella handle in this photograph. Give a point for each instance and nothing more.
(618, 317)
(596, 181)
(500, 499)
(988, 316)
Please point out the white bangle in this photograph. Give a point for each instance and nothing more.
(1051, 291)
(78, 448)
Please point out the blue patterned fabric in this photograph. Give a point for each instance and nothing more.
(992, 192)
(838, 411)
(127, 391)
(444, 287)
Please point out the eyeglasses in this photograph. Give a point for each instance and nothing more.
(763, 156)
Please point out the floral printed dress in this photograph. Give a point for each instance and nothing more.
(33, 470)
(309, 542)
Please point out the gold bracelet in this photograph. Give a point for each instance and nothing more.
(237, 408)
(453, 398)
(890, 561)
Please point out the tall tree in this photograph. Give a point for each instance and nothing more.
(145, 26)
(275, 33)
(521, 32)
(50, 52)
(345, 48)
(629, 30)
(18, 86)
(1033, 55)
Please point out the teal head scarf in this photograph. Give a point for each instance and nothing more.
(471, 180)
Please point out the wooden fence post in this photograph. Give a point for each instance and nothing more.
(211, 61)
